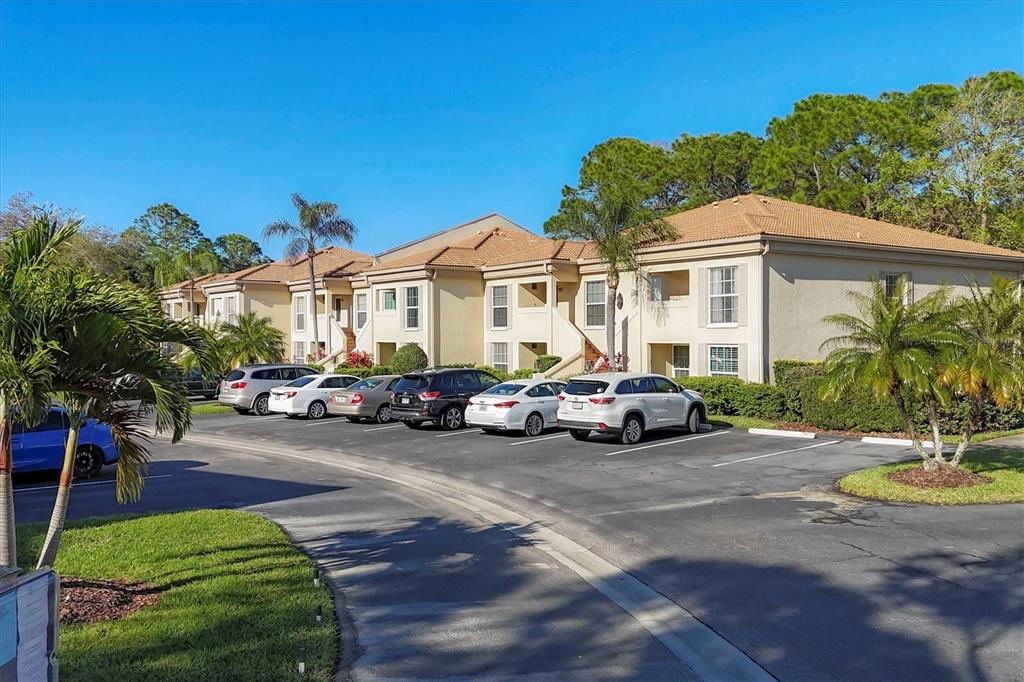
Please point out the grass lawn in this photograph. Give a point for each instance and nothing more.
(211, 408)
(983, 436)
(736, 422)
(238, 601)
(1004, 465)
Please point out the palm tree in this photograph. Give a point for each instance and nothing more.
(250, 339)
(319, 224)
(186, 265)
(27, 360)
(618, 224)
(893, 350)
(989, 363)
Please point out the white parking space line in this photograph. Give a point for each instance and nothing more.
(666, 442)
(82, 485)
(537, 440)
(381, 428)
(458, 433)
(772, 454)
(321, 422)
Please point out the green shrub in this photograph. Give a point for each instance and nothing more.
(504, 376)
(858, 410)
(454, 365)
(788, 375)
(732, 396)
(408, 358)
(315, 366)
(546, 362)
(363, 372)
(377, 370)
(524, 373)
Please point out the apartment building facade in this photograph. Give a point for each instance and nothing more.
(747, 282)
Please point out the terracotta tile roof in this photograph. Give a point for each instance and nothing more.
(755, 215)
(185, 284)
(489, 247)
(330, 261)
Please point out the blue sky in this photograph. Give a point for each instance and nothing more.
(414, 117)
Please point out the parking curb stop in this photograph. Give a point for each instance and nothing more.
(904, 442)
(783, 433)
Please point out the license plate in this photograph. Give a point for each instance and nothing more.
(482, 408)
(278, 397)
(340, 398)
(577, 406)
(404, 401)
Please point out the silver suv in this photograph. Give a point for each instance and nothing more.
(627, 404)
(248, 388)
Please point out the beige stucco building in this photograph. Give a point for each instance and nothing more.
(746, 282)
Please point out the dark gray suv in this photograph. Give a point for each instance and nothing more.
(248, 388)
(437, 396)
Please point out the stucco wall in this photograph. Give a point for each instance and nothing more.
(803, 288)
(460, 317)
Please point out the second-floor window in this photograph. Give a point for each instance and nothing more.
(388, 300)
(299, 303)
(656, 288)
(499, 307)
(723, 296)
(412, 308)
(229, 308)
(891, 282)
(361, 311)
(595, 303)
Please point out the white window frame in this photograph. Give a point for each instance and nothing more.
(298, 351)
(411, 308)
(711, 353)
(300, 309)
(231, 309)
(381, 297)
(908, 294)
(734, 295)
(362, 309)
(679, 370)
(587, 304)
(495, 307)
(657, 288)
(496, 363)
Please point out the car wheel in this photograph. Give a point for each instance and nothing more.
(632, 430)
(693, 421)
(534, 425)
(261, 406)
(451, 419)
(316, 410)
(88, 463)
(579, 434)
(412, 424)
(383, 415)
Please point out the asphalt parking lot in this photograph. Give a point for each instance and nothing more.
(744, 532)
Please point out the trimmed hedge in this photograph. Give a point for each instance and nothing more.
(732, 396)
(364, 372)
(546, 362)
(409, 358)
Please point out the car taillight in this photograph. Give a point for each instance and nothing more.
(291, 394)
(561, 397)
(356, 398)
(469, 402)
(603, 400)
(507, 404)
(430, 395)
(238, 384)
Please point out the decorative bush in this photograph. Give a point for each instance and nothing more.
(504, 376)
(788, 376)
(319, 368)
(729, 395)
(358, 358)
(857, 411)
(363, 372)
(408, 358)
(546, 362)
(524, 373)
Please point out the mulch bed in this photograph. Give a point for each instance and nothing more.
(89, 600)
(940, 478)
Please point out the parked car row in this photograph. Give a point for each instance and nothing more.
(625, 404)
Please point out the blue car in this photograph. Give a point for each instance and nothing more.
(41, 447)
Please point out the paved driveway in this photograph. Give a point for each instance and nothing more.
(743, 532)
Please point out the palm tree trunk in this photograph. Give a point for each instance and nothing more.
(933, 420)
(60, 504)
(8, 536)
(973, 421)
(908, 425)
(312, 306)
(609, 321)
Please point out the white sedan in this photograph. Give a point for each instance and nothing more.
(308, 395)
(527, 405)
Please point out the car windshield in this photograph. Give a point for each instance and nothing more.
(585, 387)
(411, 382)
(366, 384)
(504, 389)
(235, 375)
(300, 382)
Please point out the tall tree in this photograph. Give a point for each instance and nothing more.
(237, 252)
(249, 339)
(168, 228)
(187, 265)
(618, 223)
(319, 224)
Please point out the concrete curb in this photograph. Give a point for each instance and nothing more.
(783, 433)
(903, 442)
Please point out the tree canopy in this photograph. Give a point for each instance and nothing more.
(941, 158)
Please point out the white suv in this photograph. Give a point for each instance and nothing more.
(627, 403)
